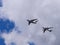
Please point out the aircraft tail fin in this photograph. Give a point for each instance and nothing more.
(28, 22)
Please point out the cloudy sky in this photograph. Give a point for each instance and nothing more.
(46, 11)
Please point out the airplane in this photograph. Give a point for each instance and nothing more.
(47, 29)
(34, 21)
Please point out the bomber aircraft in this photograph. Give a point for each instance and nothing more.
(34, 21)
(47, 29)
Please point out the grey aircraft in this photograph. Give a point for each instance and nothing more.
(34, 21)
(47, 29)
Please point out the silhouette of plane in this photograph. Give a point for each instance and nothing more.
(47, 29)
(34, 21)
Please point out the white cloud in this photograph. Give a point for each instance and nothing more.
(20, 10)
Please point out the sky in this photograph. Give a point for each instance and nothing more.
(46, 11)
(0, 3)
